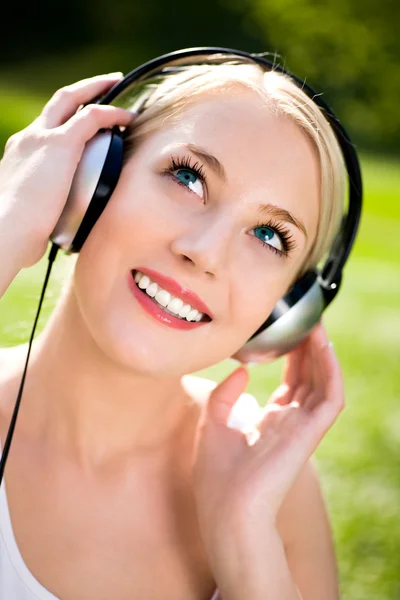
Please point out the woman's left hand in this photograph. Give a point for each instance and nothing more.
(239, 487)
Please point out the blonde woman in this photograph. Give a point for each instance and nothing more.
(127, 478)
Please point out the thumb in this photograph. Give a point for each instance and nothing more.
(224, 396)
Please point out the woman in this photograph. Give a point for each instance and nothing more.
(127, 478)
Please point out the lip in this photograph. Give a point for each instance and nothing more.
(157, 313)
(173, 287)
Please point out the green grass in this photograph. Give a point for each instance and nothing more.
(359, 458)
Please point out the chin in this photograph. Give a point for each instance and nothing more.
(127, 347)
(130, 340)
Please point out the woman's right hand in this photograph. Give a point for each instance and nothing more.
(39, 163)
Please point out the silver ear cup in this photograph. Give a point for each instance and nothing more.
(287, 331)
(82, 189)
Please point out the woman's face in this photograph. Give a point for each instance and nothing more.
(205, 230)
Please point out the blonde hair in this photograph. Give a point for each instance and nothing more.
(167, 98)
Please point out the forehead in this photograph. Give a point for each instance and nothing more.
(242, 125)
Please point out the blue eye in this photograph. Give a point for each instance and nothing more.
(186, 176)
(190, 179)
(269, 237)
(190, 175)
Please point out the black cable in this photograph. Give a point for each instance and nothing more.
(52, 255)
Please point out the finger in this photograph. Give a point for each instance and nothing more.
(327, 400)
(333, 378)
(87, 122)
(272, 417)
(294, 364)
(301, 395)
(282, 395)
(245, 414)
(323, 412)
(309, 349)
(297, 399)
(320, 366)
(300, 366)
(66, 101)
(292, 375)
(224, 396)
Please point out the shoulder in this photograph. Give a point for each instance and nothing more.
(301, 500)
(304, 525)
(11, 368)
(198, 388)
(246, 411)
(9, 356)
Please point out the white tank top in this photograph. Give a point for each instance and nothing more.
(16, 581)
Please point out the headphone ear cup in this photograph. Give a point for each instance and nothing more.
(290, 322)
(94, 181)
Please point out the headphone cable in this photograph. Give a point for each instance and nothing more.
(52, 255)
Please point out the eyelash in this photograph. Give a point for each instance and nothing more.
(186, 163)
(288, 242)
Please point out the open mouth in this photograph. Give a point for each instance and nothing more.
(171, 305)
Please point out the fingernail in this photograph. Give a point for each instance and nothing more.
(115, 74)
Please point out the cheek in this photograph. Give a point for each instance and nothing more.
(129, 232)
(138, 215)
(253, 303)
(132, 220)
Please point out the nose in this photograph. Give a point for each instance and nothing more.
(206, 244)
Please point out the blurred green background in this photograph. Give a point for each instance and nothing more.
(351, 51)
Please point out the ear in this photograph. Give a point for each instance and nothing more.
(94, 181)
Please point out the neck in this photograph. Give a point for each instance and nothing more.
(78, 399)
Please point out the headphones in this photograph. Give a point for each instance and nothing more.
(99, 169)
(98, 172)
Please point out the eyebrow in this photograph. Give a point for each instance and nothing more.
(209, 159)
(282, 213)
(270, 209)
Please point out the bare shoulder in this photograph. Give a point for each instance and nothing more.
(304, 525)
(304, 502)
(201, 387)
(9, 355)
(4, 352)
(4, 368)
(198, 388)
(11, 367)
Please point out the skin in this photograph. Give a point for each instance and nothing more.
(125, 430)
(97, 326)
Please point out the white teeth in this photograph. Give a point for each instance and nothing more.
(185, 310)
(192, 315)
(152, 289)
(175, 305)
(163, 297)
(144, 282)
